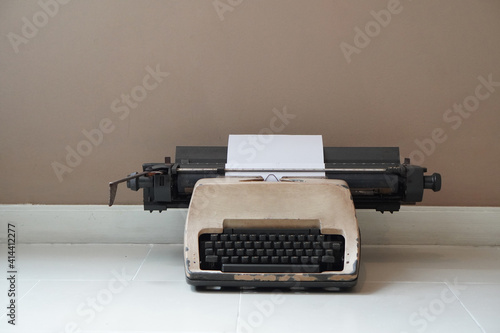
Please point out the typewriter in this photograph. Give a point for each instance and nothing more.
(296, 231)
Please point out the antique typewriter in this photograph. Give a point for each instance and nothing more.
(295, 231)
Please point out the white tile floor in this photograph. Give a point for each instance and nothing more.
(141, 288)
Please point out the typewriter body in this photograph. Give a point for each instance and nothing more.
(249, 232)
(295, 232)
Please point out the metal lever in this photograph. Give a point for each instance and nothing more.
(113, 186)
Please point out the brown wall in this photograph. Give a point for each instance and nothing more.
(226, 76)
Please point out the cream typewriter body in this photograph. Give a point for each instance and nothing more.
(248, 232)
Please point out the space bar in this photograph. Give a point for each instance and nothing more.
(269, 268)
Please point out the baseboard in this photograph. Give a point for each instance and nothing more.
(423, 225)
(413, 225)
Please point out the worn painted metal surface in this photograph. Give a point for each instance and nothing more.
(233, 202)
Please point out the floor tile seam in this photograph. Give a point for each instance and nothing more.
(238, 314)
(465, 308)
(143, 261)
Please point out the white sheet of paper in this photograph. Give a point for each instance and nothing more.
(275, 152)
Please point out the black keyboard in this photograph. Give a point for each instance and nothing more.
(271, 251)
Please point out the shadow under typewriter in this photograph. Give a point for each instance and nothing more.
(244, 232)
